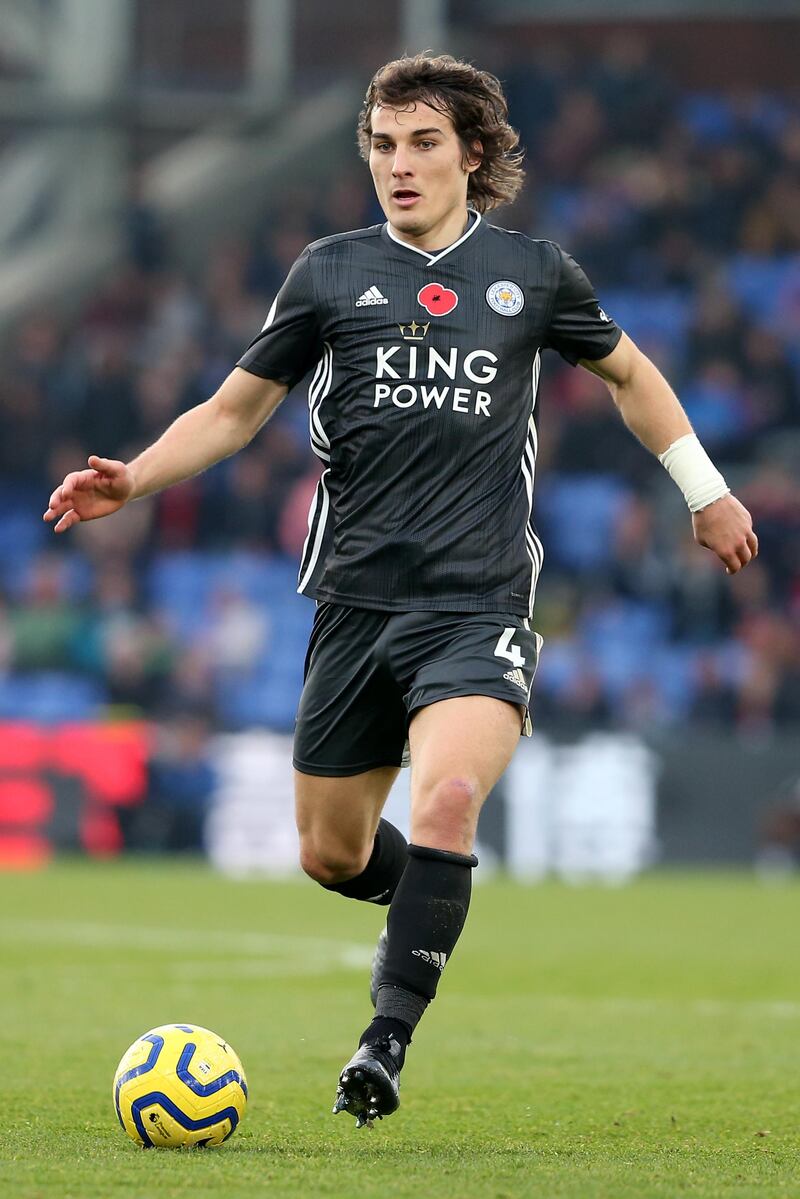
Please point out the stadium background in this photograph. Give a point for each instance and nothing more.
(163, 164)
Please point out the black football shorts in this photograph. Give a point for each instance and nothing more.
(367, 672)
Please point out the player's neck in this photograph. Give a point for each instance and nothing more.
(439, 236)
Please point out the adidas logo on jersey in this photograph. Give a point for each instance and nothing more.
(516, 676)
(371, 296)
(433, 957)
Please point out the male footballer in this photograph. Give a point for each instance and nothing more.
(420, 339)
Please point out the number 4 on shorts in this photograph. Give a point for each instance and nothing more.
(505, 649)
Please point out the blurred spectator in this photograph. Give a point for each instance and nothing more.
(638, 566)
(293, 528)
(45, 624)
(147, 240)
(633, 91)
(109, 416)
(181, 786)
(240, 632)
(714, 703)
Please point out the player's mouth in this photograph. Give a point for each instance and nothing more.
(406, 197)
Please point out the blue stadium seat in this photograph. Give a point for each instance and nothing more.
(76, 573)
(264, 701)
(672, 670)
(660, 316)
(622, 636)
(263, 578)
(177, 579)
(560, 665)
(760, 282)
(577, 515)
(22, 534)
(185, 586)
(50, 696)
(708, 115)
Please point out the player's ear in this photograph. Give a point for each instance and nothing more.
(473, 157)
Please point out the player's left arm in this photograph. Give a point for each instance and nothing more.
(653, 413)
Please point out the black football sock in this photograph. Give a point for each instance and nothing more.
(378, 880)
(425, 921)
(385, 1026)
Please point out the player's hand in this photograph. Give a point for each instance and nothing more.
(88, 494)
(726, 528)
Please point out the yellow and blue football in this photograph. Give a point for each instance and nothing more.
(179, 1085)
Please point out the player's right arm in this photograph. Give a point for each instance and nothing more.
(195, 441)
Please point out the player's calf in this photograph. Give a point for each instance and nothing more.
(375, 882)
(425, 921)
(333, 865)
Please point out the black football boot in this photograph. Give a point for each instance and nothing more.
(369, 1085)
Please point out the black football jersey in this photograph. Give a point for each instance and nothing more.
(422, 377)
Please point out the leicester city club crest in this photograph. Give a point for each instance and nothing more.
(505, 297)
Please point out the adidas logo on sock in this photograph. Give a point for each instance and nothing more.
(433, 957)
(371, 296)
(516, 676)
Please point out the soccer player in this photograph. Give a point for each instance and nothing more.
(421, 339)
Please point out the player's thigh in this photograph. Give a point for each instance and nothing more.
(337, 817)
(459, 749)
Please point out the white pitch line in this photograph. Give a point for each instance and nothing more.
(623, 1005)
(250, 968)
(175, 940)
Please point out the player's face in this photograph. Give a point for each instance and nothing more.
(418, 168)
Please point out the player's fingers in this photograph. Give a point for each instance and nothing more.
(52, 504)
(72, 481)
(67, 521)
(752, 542)
(737, 558)
(105, 465)
(58, 510)
(79, 480)
(61, 500)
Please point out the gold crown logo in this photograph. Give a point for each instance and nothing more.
(413, 331)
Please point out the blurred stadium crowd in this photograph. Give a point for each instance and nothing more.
(685, 212)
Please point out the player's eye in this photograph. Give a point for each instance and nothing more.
(382, 146)
(425, 144)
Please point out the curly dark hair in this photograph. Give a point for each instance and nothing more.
(475, 103)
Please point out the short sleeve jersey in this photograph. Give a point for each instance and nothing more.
(422, 378)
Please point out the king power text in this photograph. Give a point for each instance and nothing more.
(420, 376)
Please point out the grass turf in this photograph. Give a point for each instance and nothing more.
(636, 1042)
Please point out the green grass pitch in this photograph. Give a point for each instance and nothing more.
(611, 1043)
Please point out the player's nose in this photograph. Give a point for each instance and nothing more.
(401, 164)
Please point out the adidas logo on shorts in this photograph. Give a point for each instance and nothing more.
(371, 296)
(516, 676)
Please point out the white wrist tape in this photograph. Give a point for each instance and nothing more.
(690, 467)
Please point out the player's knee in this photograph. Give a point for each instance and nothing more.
(446, 813)
(333, 863)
